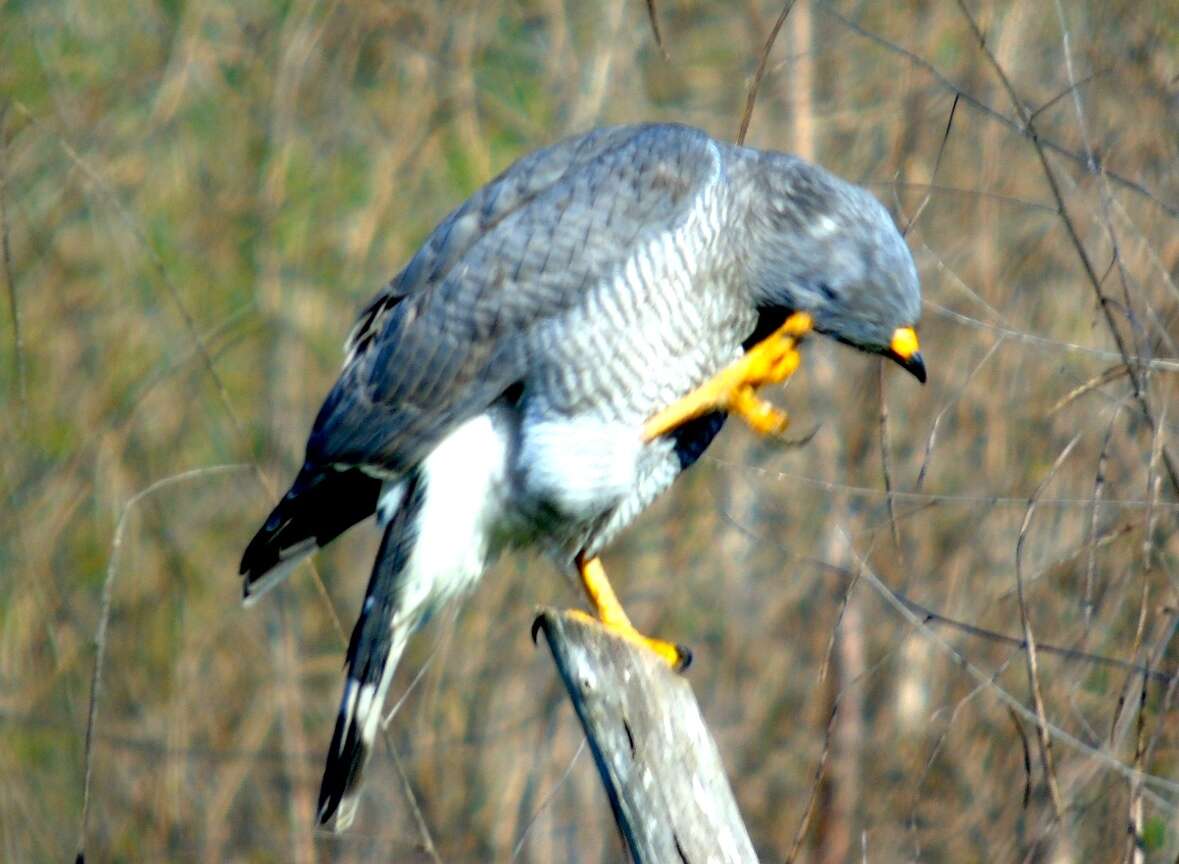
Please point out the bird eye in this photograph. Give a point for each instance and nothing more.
(828, 292)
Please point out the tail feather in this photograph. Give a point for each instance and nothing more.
(437, 544)
(393, 606)
(322, 504)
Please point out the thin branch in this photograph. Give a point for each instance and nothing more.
(1027, 758)
(1070, 90)
(1098, 493)
(1071, 228)
(931, 440)
(108, 586)
(1150, 782)
(419, 819)
(885, 468)
(932, 498)
(18, 345)
(936, 750)
(1030, 639)
(821, 767)
(1153, 481)
(1021, 129)
(1156, 365)
(751, 94)
(928, 616)
(941, 151)
(816, 784)
(548, 798)
(1113, 373)
(653, 17)
(960, 190)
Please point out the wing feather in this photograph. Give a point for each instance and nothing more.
(445, 338)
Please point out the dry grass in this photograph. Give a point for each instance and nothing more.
(198, 197)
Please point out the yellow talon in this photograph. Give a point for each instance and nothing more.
(612, 616)
(764, 418)
(797, 325)
(734, 388)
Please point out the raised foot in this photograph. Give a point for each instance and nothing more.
(678, 657)
(734, 388)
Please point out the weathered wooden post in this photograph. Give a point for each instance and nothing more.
(657, 760)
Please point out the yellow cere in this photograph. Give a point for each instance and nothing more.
(904, 342)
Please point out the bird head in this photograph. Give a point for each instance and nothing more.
(829, 248)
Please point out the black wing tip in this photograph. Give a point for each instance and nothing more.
(251, 566)
(260, 558)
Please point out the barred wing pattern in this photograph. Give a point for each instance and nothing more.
(446, 337)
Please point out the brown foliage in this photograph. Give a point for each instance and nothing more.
(197, 198)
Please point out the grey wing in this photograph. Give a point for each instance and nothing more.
(444, 339)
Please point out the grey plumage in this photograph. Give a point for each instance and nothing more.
(539, 326)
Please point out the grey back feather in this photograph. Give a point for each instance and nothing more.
(444, 339)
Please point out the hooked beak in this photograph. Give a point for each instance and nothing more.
(905, 350)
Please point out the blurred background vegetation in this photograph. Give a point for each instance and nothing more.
(197, 197)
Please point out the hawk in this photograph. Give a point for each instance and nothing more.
(562, 346)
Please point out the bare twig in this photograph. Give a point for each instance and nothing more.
(108, 586)
(1150, 782)
(933, 498)
(942, 188)
(653, 17)
(821, 767)
(1154, 364)
(18, 345)
(1113, 373)
(1153, 481)
(816, 784)
(1098, 492)
(1134, 842)
(1133, 849)
(929, 616)
(751, 94)
(885, 469)
(1021, 129)
(1082, 253)
(1030, 640)
(1027, 758)
(936, 750)
(1070, 90)
(519, 847)
(1093, 167)
(931, 439)
(419, 820)
(941, 150)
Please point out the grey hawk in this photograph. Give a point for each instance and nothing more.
(561, 347)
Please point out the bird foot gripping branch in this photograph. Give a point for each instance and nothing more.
(613, 618)
(734, 388)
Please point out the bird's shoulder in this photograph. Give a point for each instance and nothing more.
(602, 187)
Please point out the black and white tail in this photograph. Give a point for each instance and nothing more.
(438, 521)
(391, 612)
(322, 504)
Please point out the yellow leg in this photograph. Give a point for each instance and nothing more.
(734, 388)
(613, 618)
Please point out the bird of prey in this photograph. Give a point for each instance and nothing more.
(562, 346)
